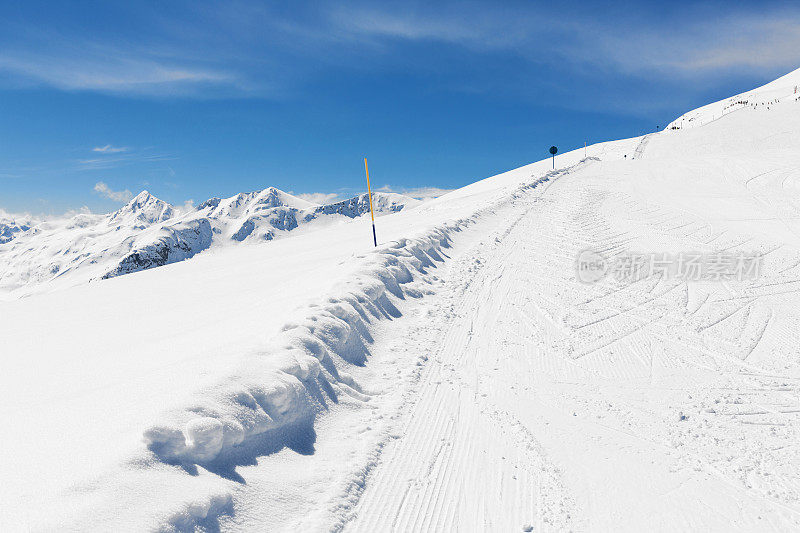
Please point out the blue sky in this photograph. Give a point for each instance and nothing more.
(190, 100)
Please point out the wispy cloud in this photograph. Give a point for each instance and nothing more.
(108, 149)
(244, 49)
(476, 26)
(146, 59)
(31, 219)
(733, 42)
(75, 64)
(187, 207)
(118, 196)
(121, 159)
(83, 210)
(734, 38)
(420, 193)
(19, 218)
(317, 197)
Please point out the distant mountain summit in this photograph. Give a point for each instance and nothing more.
(357, 206)
(11, 228)
(148, 232)
(145, 209)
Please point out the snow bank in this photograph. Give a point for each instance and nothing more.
(271, 401)
(281, 385)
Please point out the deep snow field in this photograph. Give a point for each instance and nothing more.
(460, 377)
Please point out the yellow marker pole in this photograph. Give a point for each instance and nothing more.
(371, 210)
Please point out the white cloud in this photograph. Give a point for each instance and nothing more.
(318, 197)
(108, 149)
(30, 219)
(6, 217)
(426, 193)
(420, 193)
(480, 29)
(121, 159)
(117, 196)
(187, 207)
(254, 49)
(73, 64)
(752, 43)
(83, 210)
(737, 39)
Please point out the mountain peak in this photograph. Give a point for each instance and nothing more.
(272, 197)
(144, 207)
(142, 197)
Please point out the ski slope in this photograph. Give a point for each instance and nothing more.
(661, 405)
(458, 377)
(784, 89)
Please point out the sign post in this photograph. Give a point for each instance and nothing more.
(371, 210)
(554, 151)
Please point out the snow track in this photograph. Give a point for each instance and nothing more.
(559, 405)
(639, 152)
(462, 463)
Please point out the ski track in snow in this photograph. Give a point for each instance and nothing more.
(340, 502)
(464, 461)
(600, 377)
(639, 406)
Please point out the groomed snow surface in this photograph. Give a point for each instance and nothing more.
(457, 378)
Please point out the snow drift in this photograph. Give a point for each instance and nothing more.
(272, 389)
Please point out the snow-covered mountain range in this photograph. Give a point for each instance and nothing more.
(148, 232)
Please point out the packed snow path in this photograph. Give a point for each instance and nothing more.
(660, 404)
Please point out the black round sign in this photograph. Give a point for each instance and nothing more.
(553, 150)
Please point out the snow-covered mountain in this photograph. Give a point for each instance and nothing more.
(11, 227)
(148, 232)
